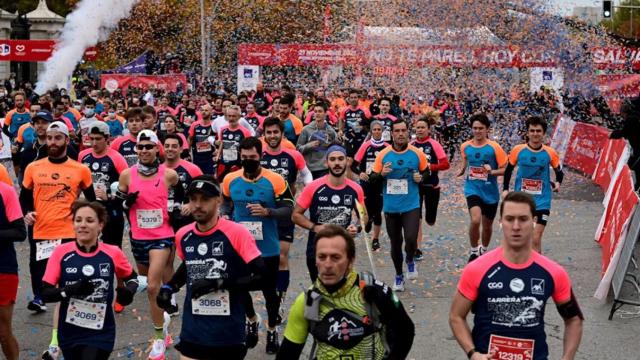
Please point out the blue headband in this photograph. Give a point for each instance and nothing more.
(334, 148)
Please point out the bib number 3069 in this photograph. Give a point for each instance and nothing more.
(86, 314)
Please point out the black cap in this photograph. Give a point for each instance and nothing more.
(204, 186)
(44, 115)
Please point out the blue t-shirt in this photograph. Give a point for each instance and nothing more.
(533, 176)
(265, 190)
(115, 127)
(400, 193)
(223, 253)
(16, 119)
(478, 181)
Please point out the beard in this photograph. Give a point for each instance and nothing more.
(55, 152)
(337, 174)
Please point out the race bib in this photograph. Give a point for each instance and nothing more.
(149, 219)
(397, 186)
(229, 155)
(254, 227)
(215, 303)
(506, 348)
(478, 173)
(369, 167)
(532, 186)
(45, 248)
(203, 146)
(86, 314)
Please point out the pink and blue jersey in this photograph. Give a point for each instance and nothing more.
(400, 193)
(265, 190)
(533, 175)
(10, 211)
(509, 299)
(14, 120)
(221, 252)
(478, 181)
(88, 320)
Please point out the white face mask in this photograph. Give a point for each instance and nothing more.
(77, 107)
(112, 114)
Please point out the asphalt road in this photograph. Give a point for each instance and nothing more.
(568, 240)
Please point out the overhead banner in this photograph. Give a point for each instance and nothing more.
(248, 77)
(135, 66)
(423, 56)
(113, 82)
(34, 50)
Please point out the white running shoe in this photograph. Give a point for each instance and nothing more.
(158, 350)
(399, 283)
(142, 283)
(412, 271)
(52, 353)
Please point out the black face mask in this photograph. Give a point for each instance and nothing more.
(250, 166)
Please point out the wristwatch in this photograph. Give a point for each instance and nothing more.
(471, 352)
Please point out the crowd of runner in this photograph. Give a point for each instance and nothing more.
(209, 189)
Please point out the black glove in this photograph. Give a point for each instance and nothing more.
(124, 296)
(204, 286)
(130, 199)
(164, 296)
(80, 288)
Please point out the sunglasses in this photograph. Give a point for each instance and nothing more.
(145, 146)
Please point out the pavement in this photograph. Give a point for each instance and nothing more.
(568, 240)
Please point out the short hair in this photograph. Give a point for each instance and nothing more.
(234, 107)
(537, 120)
(288, 99)
(393, 125)
(57, 102)
(482, 118)
(330, 230)
(243, 96)
(385, 98)
(66, 97)
(251, 142)
(229, 100)
(133, 113)
(149, 110)
(99, 209)
(21, 93)
(520, 198)
(271, 121)
(173, 136)
(89, 101)
(354, 91)
(322, 104)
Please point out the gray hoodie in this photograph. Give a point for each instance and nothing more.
(315, 155)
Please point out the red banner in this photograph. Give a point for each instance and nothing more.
(585, 146)
(608, 163)
(34, 50)
(617, 213)
(422, 56)
(113, 82)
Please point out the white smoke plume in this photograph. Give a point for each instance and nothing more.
(91, 21)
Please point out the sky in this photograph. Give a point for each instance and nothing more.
(565, 7)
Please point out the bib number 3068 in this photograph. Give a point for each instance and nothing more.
(216, 303)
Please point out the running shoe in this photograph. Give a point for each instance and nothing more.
(252, 333)
(418, 255)
(272, 342)
(375, 245)
(37, 305)
(367, 227)
(399, 284)
(52, 353)
(472, 257)
(142, 283)
(158, 350)
(412, 272)
(118, 308)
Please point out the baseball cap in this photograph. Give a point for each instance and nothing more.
(205, 186)
(148, 135)
(44, 115)
(99, 127)
(58, 126)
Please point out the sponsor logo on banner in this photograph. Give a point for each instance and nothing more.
(5, 49)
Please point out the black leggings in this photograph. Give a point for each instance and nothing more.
(269, 282)
(83, 352)
(113, 230)
(397, 223)
(373, 202)
(37, 267)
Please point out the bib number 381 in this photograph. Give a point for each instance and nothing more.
(212, 304)
(86, 314)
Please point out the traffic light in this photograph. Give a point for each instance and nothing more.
(606, 9)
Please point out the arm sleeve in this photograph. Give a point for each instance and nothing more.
(507, 176)
(284, 203)
(26, 199)
(179, 278)
(306, 175)
(15, 232)
(443, 159)
(50, 293)
(89, 193)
